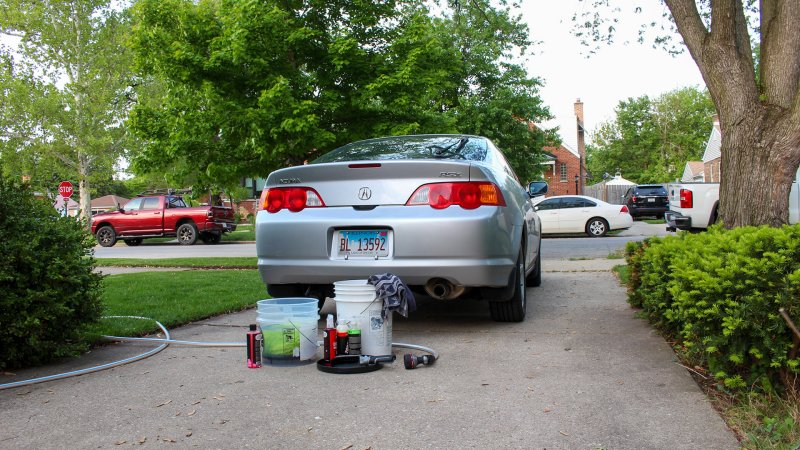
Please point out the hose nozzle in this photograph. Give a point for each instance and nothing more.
(410, 361)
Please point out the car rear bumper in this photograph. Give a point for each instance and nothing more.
(622, 222)
(470, 248)
(677, 221)
(224, 227)
(647, 210)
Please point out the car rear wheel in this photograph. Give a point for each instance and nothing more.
(106, 236)
(535, 278)
(187, 234)
(512, 310)
(134, 242)
(597, 227)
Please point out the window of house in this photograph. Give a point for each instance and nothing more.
(563, 171)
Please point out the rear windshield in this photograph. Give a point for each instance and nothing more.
(410, 147)
(652, 190)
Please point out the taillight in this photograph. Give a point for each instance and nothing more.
(624, 210)
(633, 199)
(686, 198)
(468, 195)
(292, 198)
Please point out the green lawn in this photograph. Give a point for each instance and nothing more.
(207, 263)
(244, 232)
(174, 298)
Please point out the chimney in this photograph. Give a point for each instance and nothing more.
(581, 142)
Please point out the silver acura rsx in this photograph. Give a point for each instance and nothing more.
(445, 213)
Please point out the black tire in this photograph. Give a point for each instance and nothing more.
(210, 238)
(713, 219)
(597, 227)
(512, 310)
(187, 234)
(106, 236)
(134, 242)
(535, 277)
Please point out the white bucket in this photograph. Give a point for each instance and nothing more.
(289, 329)
(356, 304)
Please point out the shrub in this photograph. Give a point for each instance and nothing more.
(719, 293)
(49, 291)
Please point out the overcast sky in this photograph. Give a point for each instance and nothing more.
(615, 73)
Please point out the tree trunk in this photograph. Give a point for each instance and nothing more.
(759, 162)
(759, 116)
(83, 189)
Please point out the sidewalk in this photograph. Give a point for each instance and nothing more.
(580, 265)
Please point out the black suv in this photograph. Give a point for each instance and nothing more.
(647, 200)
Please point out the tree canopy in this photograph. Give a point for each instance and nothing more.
(651, 140)
(253, 86)
(65, 89)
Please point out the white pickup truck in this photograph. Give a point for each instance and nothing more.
(693, 206)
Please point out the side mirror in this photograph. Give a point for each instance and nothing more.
(537, 188)
(536, 208)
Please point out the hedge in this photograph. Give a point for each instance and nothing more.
(718, 293)
(48, 290)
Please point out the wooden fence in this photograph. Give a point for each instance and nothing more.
(608, 193)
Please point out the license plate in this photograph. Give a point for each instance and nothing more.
(362, 244)
(651, 200)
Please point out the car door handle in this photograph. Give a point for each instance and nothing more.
(157, 212)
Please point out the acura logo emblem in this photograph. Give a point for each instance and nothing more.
(364, 193)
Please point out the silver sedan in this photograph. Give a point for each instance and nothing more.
(445, 213)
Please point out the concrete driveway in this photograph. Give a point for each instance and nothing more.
(580, 373)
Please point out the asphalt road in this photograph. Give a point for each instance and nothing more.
(581, 372)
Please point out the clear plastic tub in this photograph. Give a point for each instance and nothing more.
(289, 329)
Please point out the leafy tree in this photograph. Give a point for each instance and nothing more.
(66, 87)
(650, 140)
(255, 86)
(749, 55)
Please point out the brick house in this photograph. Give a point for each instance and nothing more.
(712, 157)
(565, 165)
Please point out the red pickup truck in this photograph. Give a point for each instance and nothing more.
(160, 216)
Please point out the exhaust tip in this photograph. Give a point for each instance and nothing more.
(441, 289)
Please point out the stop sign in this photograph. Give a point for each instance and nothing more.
(65, 189)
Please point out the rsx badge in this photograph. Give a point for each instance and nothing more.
(450, 174)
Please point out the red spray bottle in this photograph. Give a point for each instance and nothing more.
(254, 347)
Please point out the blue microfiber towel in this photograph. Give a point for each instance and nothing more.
(395, 294)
